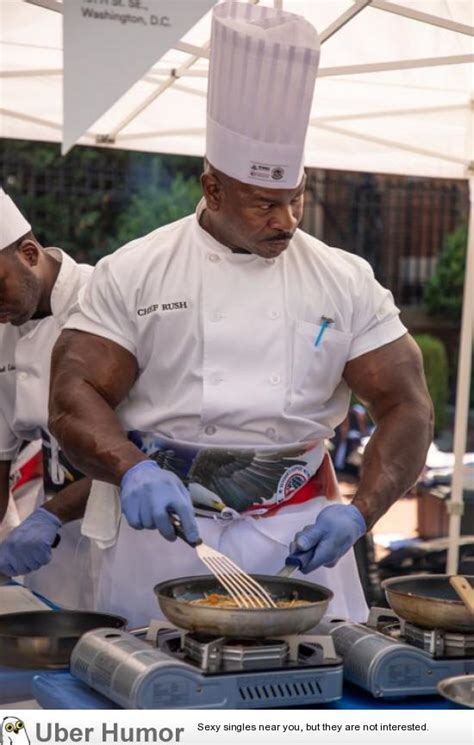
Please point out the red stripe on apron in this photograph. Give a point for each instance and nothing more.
(322, 484)
(32, 469)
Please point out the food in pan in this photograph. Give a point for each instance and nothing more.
(216, 600)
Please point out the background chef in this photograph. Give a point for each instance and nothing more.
(226, 345)
(37, 288)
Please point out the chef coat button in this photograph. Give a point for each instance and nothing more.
(269, 261)
(273, 314)
(22, 376)
(271, 433)
(210, 429)
(214, 257)
(274, 379)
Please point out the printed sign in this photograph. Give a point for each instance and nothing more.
(109, 45)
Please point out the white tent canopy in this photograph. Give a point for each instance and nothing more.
(394, 95)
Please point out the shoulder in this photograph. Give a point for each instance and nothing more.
(331, 263)
(143, 251)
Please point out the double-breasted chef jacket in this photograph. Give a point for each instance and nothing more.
(225, 344)
(25, 359)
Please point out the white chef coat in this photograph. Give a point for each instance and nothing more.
(25, 356)
(225, 345)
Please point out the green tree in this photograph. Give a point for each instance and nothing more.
(156, 206)
(435, 363)
(84, 202)
(72, 202)
(444, 292)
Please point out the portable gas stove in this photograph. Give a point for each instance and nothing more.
(177, 669)
(392, 658)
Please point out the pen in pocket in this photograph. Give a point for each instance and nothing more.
(325, 323)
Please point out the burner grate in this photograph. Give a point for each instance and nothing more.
(212, 654)
(439, 644)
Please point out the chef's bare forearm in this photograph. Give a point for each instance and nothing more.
(90, 376)
(390, 382)
(70, 503)
(4, 487)
(393, 459)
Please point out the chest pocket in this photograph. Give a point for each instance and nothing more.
(316, 370)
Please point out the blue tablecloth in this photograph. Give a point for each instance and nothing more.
(60, 690)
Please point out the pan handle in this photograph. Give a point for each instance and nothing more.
(56, 541)
(141, 631)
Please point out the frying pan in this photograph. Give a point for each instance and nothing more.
(459, 689)
(45, 639)
(174, 598)
(428, 600)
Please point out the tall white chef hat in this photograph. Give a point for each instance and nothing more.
(12, 223)
(262, 72)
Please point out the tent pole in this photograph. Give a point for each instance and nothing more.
(33, 119)
(161, 88)
(406, 64)
(455, 505)
(325, 72)
(417, 15)
(47, 4)
(387, 143)
(385, 113)
(341, 21)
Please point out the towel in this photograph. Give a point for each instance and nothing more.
(102, 516)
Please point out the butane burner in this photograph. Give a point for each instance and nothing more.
(392, 658)
(175, 669)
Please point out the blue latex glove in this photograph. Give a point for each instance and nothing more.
(28, 547)
(149, 493)
(333, 533)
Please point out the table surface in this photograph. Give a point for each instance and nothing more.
(60, 690)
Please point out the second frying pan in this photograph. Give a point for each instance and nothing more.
(429, 601)
(45, 639)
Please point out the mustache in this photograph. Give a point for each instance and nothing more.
(280, 237)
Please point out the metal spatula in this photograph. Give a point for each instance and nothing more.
(242, 588)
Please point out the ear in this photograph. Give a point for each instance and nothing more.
(213, 191)
(29, 252)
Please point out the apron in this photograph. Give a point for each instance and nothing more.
(70, 579)
(140, 559)
(26, 484)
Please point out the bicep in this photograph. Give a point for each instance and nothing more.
(80, 358)
(388, 376)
